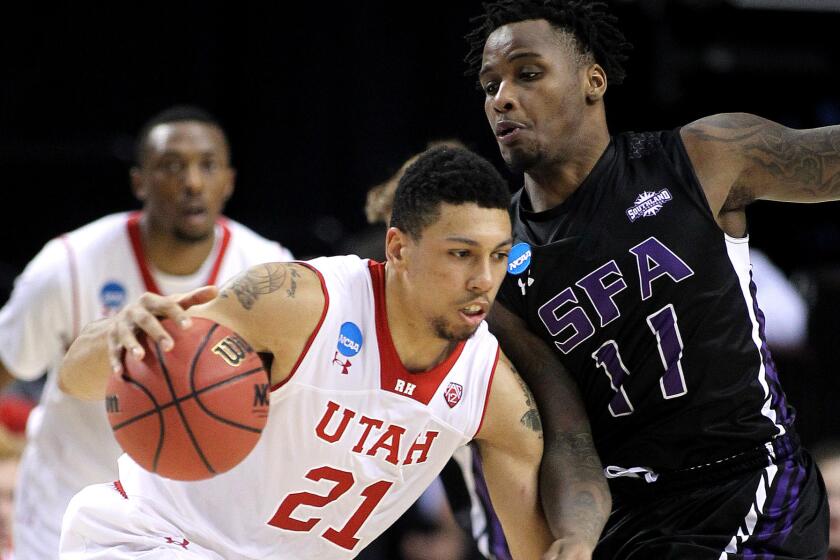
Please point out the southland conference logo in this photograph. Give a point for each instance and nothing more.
(648, 204)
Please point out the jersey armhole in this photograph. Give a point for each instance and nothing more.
(489, 389)
(691, 177)
(317, 327)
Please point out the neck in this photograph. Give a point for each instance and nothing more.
(172, 255)
(418, 347)
(550, 183)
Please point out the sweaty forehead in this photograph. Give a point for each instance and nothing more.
(536, 35)
(185, 137)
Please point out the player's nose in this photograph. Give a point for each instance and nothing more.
(505, 99)
(481, 280)
(194, 179)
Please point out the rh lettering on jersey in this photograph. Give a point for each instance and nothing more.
(404, 387)
(566, 320)
(373, 437)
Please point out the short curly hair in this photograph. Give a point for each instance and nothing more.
(445, 175)
(594, 28)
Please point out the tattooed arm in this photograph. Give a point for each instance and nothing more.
(573, 489)
(510, 443)
(739, 158)
(274, 306)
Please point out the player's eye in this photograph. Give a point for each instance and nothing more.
(529, 75)
(210, 166)
(490, 88)
(460, 253)
(172, 166)
(501, 256)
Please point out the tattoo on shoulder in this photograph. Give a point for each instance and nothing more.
(530, 419)
(809, 160)
(261, 280)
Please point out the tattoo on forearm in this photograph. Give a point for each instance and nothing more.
(586, 499)
(530, 419)
(808, 160)
(580, 448)
(261, 280)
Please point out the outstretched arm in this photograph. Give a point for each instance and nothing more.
(510, 444)
(573, 488)
(740, 158)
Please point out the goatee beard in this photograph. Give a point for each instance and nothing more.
(186, 237)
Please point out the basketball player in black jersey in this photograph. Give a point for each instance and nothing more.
(633, 270)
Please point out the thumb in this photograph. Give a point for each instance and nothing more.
(197, 296)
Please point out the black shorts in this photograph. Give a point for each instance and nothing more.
(777, 512)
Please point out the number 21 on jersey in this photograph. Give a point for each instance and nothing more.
(345, 536)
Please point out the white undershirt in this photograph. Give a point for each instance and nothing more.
(180, 283)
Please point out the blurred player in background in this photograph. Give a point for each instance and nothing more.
(424, 377)
(633, 270)
(178, 241)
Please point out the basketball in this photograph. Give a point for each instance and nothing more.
(195, 411)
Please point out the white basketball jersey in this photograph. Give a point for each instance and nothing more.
(78, 278)
(352, 438)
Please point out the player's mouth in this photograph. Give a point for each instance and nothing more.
(195, 214)
(474, 313)
(508, 131)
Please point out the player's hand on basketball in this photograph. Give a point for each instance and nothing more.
(568, 549)
(144, 316)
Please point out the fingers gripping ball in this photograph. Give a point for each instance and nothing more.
(195, 411)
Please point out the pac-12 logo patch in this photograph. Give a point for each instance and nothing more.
(648, 204)
(519, 258)
(349, 339)
(113, 296)
(453, 394)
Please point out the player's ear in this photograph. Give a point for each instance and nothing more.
(230, 184)
(137, 185)
(596, 83)
(396, 242)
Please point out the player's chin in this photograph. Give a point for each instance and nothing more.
(459, 332)
(520, 159)
(194, 233)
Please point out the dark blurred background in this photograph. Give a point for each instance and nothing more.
(323, 100)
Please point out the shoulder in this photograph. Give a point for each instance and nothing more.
(66, 249)
(721, 148)
(247, 240)
(98, 234)
(271, 305)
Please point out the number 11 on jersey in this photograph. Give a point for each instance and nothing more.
(669, 342)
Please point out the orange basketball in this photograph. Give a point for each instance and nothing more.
(195, 411)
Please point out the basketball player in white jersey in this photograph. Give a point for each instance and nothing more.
(379, 373)
(178, 242)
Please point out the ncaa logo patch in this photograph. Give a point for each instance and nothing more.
(113, 296)
(453, 394)
(519, 258)
(349, 339)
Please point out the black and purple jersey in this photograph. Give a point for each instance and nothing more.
(653, 310)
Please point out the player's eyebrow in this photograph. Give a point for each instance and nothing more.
(510, 58)
(474, 243)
